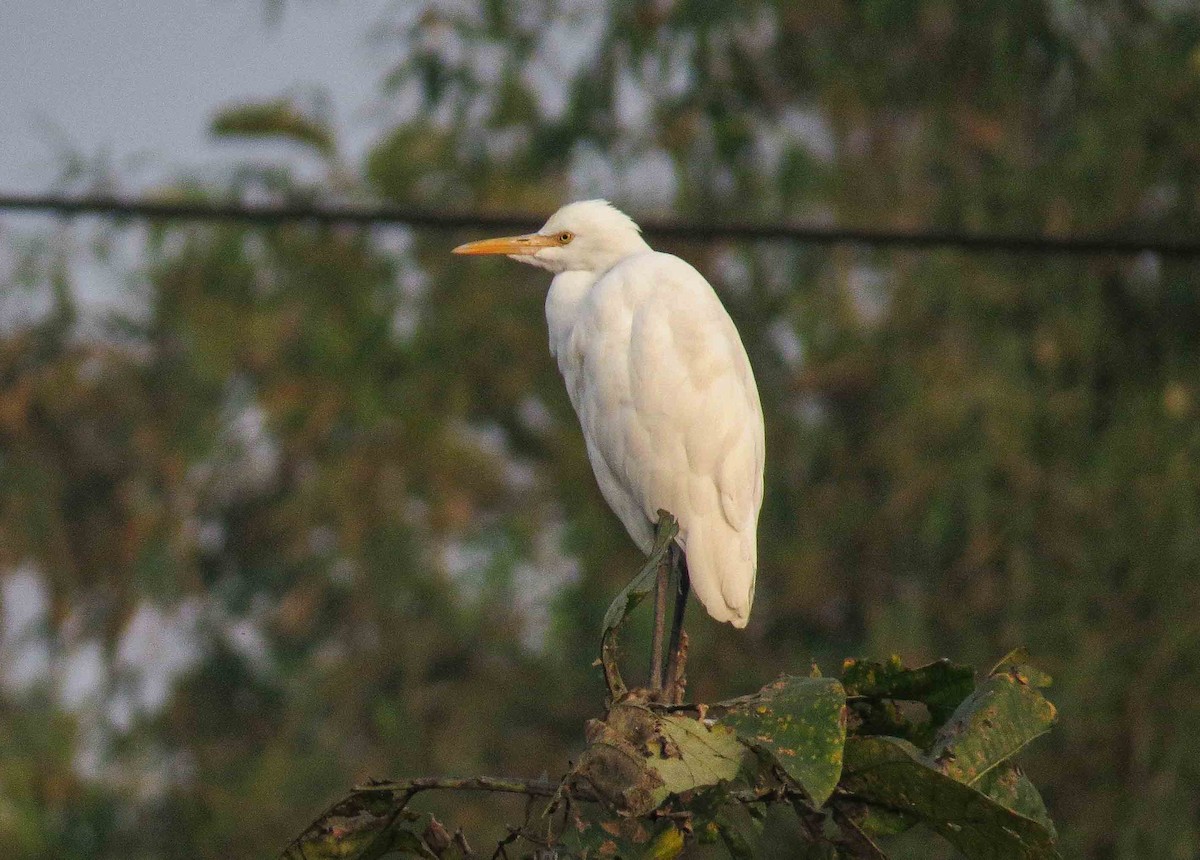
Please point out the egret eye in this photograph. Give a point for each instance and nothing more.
(565, 236)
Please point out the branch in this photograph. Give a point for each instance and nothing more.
(530, 788)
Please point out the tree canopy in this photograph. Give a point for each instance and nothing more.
(309, 505)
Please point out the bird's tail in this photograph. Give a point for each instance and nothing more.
(722, 563)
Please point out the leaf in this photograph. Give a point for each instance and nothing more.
(892, 718)
(1011, 788)
(715, 815)
(636, 758)
(695, 755)
(628, 838)
(280, 119)
(363, 826)
(994, 723)
(891, 773)
(631, 595)
(857, 840)
(403, 841)
(877, 821)
(801, 724)
(1017, 664)
(739, 830)
(445, 846)
(643, 583)
(666, 845)
(940, 685)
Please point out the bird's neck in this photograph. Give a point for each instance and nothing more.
(567, 293)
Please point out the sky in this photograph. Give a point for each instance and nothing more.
(138, 80)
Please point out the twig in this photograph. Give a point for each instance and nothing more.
(677, 682)
(364, 814)
(514, 833)
(530, 788)
(660, 619)
(460, 840)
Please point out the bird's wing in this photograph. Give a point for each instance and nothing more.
(673, 412)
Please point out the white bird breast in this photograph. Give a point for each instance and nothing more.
(670, 412)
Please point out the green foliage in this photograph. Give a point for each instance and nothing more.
(892, 774)
(992, 724)
(800, 723)
(637, 758)
(964, 450)
(653, 779)
(280, 119)
(620, 837)
(939, 686)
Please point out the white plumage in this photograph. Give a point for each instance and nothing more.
(663, 389)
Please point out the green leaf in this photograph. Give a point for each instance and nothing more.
(891, 718)
(739, 830)
(631, 595)
(801, 723)
(1011, 788)
(994, 723)
(1017, 664)
(692, 755)
(717, 816)
(877, 821)
(891, 773)
(637, 590)
(629, 838)
(856, 839)
(940, 685)
(403, 841)
(279, 119)
(667, 844)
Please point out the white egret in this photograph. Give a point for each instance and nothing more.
(664, 392)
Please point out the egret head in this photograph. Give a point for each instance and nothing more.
(587, 236)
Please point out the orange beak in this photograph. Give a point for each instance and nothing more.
(530, 243)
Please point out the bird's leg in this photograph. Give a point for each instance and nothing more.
(660, 617)
(677, 683)
(677, 649)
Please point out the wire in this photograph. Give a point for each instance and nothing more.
(273, 214)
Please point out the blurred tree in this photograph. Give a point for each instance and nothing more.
(318, 509)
